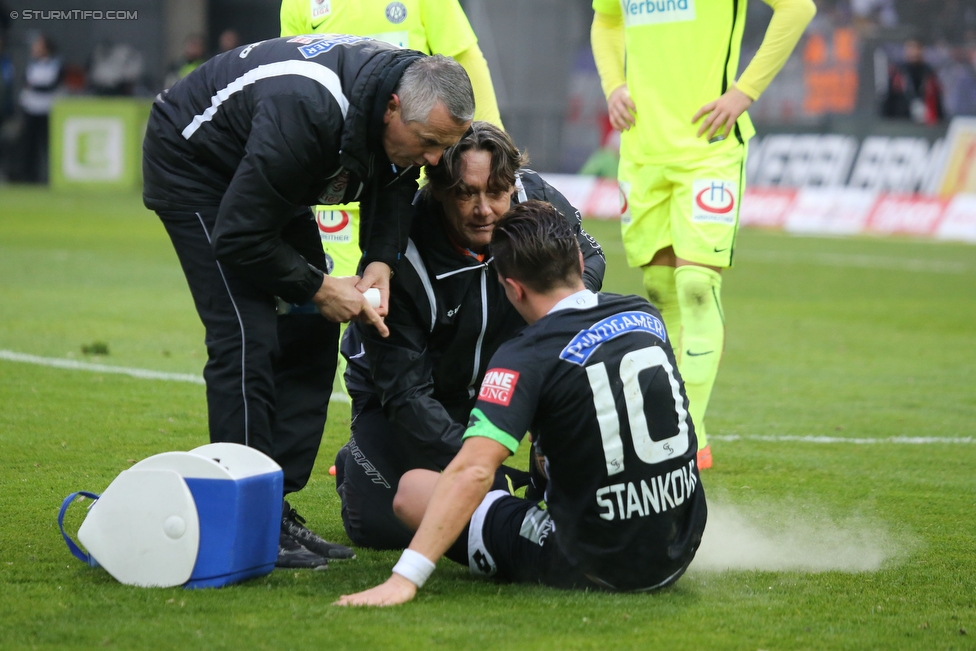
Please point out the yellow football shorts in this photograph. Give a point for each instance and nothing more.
(692, 206)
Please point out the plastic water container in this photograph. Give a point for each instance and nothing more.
(204, 518)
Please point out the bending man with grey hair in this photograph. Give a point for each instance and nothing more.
(234, 154)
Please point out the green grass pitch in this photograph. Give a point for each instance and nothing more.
(841, 501)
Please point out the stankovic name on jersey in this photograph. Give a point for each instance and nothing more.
(665, 491)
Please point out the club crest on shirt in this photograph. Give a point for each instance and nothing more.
(396, 12)
(625, 215)
(336, 189)
(714, 201)
(320, 8)
(498, 386)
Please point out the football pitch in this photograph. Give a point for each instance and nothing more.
(841, 503)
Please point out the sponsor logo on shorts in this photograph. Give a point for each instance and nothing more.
(714, 201)
(498, 386)
(334, 226)
(396, 12)
(649, 12)
(625, 215)
(482, 562)
(587, 341)
(536, 525)
(320, 8)
(334, 40)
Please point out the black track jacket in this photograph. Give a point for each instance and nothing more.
(448, 316)
(264, 131)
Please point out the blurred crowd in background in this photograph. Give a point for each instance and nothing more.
(915, 51)
(906, 60)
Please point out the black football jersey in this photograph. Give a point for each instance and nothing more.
(596, 383)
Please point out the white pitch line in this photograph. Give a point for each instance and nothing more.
(903, 440)
(141, 373)
(844, 260)
(863, 261)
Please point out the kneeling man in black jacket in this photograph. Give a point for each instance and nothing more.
(412, 391)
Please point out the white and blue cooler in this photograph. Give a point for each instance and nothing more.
(202, 519)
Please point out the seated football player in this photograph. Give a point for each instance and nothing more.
(594, 378)
(412, 392)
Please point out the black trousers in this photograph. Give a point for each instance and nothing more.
(368, 471)
(33, 149)
(269, 377)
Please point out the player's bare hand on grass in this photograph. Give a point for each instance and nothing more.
(396, 590)
(621, 109)
(722, 113)
(340, 300)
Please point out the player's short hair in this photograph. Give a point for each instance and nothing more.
(433, 79)
(534, 244)
(506, 159)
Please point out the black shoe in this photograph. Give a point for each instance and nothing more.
(293, 524)
(293, 556)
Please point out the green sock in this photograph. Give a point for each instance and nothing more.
(661, 291)
(700, 297)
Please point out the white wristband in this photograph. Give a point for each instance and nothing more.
(414, 567)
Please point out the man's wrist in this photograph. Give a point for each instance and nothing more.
(414, 567)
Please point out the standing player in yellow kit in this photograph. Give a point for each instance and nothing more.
(668, 71)
(430, 26)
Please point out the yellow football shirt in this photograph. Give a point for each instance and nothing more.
(426, 25)
(680, 55)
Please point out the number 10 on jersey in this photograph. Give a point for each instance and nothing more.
(647, 450)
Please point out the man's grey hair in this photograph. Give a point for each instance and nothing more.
(431, 79)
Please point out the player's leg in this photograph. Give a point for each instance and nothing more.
(413, 495)
(417, 487)
(410, 504)
(514, 539)
(705, 220)
(662, 292)
(645, 229)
